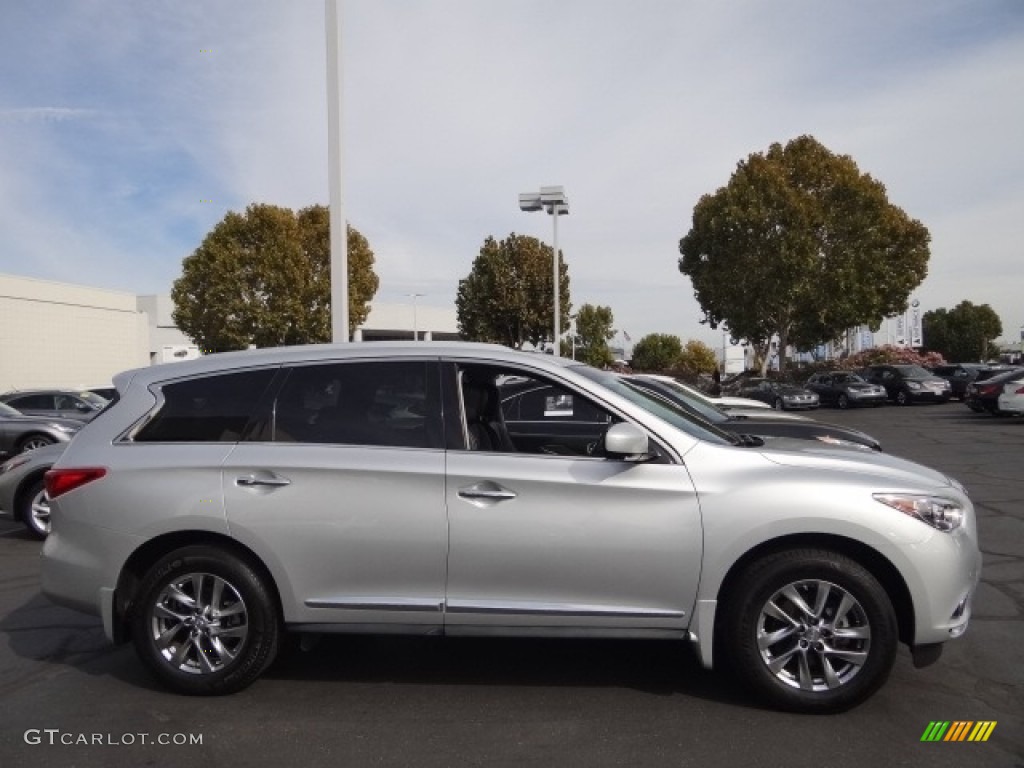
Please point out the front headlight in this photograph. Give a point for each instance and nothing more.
(65, 429)
(913, 385)
(940, 513)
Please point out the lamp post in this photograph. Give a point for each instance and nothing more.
(415, 324)
(554, 201)
(336, 209)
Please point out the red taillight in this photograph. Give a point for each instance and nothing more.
(989, 389)
(1019, 391)
(60, 481)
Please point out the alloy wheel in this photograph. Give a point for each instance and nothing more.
(199, 623)
(813, 635)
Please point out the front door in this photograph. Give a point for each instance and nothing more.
(555, 537)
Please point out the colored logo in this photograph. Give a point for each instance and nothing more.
(958, 730)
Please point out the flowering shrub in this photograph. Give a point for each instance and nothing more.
(892, 355)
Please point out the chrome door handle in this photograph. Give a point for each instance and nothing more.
(252, 481)
(486, 491)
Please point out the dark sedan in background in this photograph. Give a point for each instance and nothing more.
(765, 424)
(906, 384)
(846, 388)
(962, 375)
(982, 396)
(781, 397)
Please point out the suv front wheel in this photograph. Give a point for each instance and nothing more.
(811, 631)
(205, 622)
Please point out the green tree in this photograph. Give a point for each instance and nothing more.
(593, 332)
(696, 358)
(507, 297)
(964, 333)
(799, 246)
(657, 352)
(263, 278)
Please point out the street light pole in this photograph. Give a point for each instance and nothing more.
(415, 324)
(336, 209)
(554, 201)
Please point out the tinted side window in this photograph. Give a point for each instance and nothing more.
(360, 403)
(33, 402)
(210, 409)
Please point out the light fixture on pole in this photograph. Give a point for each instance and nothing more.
(554, 201)
(415, 324)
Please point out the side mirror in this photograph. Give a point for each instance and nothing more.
(627, 442)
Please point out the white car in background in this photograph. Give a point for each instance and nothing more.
(726, 401)
(1011, 400)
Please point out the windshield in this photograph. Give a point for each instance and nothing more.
(682, 399)
(913, 372)
(850, 378)
(93, 399)
(659, 406)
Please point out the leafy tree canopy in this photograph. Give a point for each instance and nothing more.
(593, 332)
(507, 298)
(696, 358)
(263, 278)
(964, 333)
(657, 352)
(800, 245)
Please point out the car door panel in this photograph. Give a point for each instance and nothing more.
(578, 543)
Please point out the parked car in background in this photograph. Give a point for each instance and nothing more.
(80, 405)
(765, 423)
(377, 487)
(22, 491)
(725, 402)
(19, 432)
(907, 384)
(1011, 400)
(780, 396)
(984, 395)
(845, 388)
(960, 375)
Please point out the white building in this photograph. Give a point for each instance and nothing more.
(61, 335)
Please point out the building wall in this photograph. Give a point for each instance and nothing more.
(61, 335)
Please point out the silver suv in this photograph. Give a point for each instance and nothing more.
(473, 490)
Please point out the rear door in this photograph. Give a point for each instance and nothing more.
(341, 487)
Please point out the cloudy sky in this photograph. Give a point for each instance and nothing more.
(128, 129)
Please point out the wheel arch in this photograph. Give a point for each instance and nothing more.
(135, 567)
(874, 561)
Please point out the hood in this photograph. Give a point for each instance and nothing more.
(880, 465)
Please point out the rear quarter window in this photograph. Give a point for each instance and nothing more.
(211, 409)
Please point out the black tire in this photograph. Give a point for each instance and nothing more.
(221, 642)
(815, 670)
(31, 442)
(34, 508)
(903, 397)
(842, 401)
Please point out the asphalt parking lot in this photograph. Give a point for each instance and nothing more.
(68, 698)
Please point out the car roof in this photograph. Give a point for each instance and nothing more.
(379, 350)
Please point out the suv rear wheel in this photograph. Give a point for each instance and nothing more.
(811, 631)
(205, 622)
